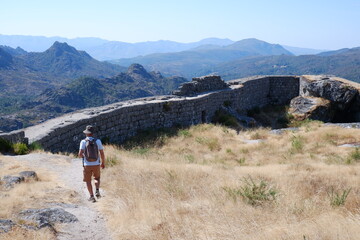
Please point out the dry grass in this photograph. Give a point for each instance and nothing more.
(176, 191)
(30, 194)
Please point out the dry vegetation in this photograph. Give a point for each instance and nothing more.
(30, 194)
(208, 182)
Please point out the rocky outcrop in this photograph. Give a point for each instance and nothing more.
(9, 181)
(312, 108)
(46, 217)
(201, 84)
(6, 225)
(340, 94)
(329, 99)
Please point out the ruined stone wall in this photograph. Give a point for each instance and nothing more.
(14, 136)
(120, 121)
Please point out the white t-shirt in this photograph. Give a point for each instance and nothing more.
(82, 147)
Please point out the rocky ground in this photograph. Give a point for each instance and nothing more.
(77, 220)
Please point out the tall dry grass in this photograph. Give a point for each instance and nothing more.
(30, 194)
(177, 190)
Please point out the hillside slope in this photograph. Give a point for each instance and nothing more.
(31, 73)
(84, 92)
(344, 64)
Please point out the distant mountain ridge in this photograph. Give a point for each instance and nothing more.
(106, 50)
(344, 63)
(194, 62)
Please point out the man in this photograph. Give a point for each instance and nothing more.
(90, 148)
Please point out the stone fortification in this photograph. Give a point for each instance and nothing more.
(14, 136)
(200, 85)
(119, 121)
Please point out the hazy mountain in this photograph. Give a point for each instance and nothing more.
(106, 50)
(302, 51)
(41, 43)
(258, 47)
(83, 92)
(14, 51)
(194, 62)
(343, 51)
(31, 73)
(344, 64)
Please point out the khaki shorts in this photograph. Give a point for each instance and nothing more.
(89, 171)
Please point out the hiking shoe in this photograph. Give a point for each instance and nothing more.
(97, 194)
(92, 199)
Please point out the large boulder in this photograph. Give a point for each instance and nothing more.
(312, 108)
(10, 181)
(339, 93)
(46, 217)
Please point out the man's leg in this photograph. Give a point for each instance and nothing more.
(89, 187)
(97, 181)
(87, 178)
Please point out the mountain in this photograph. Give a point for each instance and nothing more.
(31, 73)
(106, 50)
(302, 51)
(344, 64)
(90, 92)
(15, 52)
(84, 92)
(194, 62)
(258, 47)
(343, 51)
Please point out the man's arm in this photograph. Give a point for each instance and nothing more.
(102, 155)
(81, 153)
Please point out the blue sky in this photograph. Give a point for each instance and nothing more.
(320, 24)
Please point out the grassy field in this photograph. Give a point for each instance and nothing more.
(208, 182)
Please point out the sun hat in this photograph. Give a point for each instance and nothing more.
(89, 129)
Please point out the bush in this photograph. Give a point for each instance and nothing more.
(35, 146)
(252, 192)
(5, 146)
(225, 119)
(20, 148)
(297, 144)
(337, 199)
(353, 156)
(112, 160)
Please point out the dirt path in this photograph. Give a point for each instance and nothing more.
(91, 224)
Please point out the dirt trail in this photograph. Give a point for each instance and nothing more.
(91, 224)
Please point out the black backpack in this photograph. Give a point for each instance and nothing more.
(91, 150)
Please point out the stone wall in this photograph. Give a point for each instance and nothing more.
(14, 136)
(200, 85)
(119, 121)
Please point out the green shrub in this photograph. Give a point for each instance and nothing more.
(35, 146)
(141, 151)
(20, 148)
(225, 119)
(337, 199)
(5, 145)
(112, 161)
(190, 158)
(185, 133)
(353, 156)
(254, 193)
(211, 143)
(241, 161)
(297, 144)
